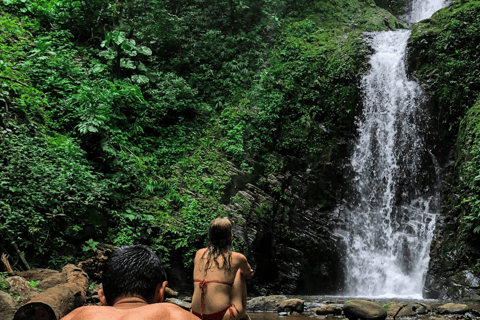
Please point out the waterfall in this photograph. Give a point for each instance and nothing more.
(388, 217)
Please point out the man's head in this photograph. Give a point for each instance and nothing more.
(133, 270)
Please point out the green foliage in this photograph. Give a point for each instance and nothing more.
(4, 286)
(86, 19)
(48, 189)
(468, 159)
(33, 284)
(444, 51)
(120, 116)
(90, 245)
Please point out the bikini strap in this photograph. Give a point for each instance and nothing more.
(203, 285)
(215, 281)
(231, 311)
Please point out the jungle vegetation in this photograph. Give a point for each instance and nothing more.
(121, 120)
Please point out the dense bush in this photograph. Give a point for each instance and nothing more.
(120, 117)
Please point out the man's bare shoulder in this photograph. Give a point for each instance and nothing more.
(88, 312)
(166, 311)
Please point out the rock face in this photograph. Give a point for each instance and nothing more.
(328, 309)
(453, 308)
(291, 305)
(265, 304)
(362, 309)
(284, 228)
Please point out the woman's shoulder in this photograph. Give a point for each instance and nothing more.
(238, 256)
(201, 251)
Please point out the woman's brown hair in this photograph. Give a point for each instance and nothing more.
(219, 241)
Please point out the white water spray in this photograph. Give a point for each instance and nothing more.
(389, 216)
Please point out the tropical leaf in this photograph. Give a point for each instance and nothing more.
(140, 79)
(118, 37)
(144, 50)
(127, 63)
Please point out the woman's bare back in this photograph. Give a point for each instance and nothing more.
(218, 296)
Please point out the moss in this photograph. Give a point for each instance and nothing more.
(396, 7)
(468, 139)
(4, 286)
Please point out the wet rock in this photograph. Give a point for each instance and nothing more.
(292, 305)
(265, 303)
(470, 279)
(6, 302)
(52, 281)
(182, 304)
(363, 309)
(420, 308)
(20, 287)
(453, 308)
(400, 310)
(328, 309)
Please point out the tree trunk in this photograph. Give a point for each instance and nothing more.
(57, 302)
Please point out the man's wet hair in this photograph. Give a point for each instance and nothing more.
(132, 270)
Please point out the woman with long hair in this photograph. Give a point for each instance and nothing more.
(220, 291)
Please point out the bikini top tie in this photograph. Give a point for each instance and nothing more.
(203, 285)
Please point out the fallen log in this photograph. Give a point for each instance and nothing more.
(34, 274)
(58, 301)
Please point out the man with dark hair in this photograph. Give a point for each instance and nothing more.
(134, 283)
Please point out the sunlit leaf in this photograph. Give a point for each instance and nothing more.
(144, 50)
(140, 79)
(127, 63)
(118, 37)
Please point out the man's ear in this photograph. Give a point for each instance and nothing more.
(101, 297)
(160, 292)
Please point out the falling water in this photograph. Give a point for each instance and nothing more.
(389, 216)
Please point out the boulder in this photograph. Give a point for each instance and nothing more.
(52, 281)
(20, 287)
(265, 303)
(470, 279)
(182, 304)
(453, 308)
(400, 310)
(291, 305)
(6, 302)
(363, 309)
(419, 308)
(328, 309)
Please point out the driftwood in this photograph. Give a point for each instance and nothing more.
(34, 274)
(58, 301)
(6, 263)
